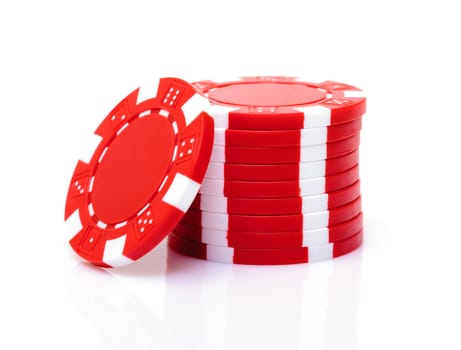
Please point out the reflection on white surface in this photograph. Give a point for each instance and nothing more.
(195, 304)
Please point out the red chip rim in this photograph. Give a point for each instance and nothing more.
(284, 155)
(282, 172)
(279, 189)
(277, 206)
(143, 175)
(271, 240)
(265, 256)
(287, 138)
(273, 223)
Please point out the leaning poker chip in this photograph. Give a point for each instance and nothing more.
(143, 175)
(287, 138)
(277, 206)
(275, 189)
(264, 256)
(284, 155)
(286, 239)
(282, 172)
(272, 223)
(281, 103)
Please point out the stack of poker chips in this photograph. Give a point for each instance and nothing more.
(282, 186)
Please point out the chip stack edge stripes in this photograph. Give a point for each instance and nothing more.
(282, 186)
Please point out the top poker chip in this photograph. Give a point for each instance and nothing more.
(281, 103)
(143, 175)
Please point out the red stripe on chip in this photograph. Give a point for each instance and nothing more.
(287, 138)
(264, 240)
(277, 206)
(264, 256)
(273, 223)
(282, 172)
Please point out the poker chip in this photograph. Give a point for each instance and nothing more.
(273, 223)
(265, 256)
(277, 206)
(282, 172)
(281, 103)
(260, 240)
(143, 175)
(258, 170)
(283, 155)
(287, 138)
(275, 189)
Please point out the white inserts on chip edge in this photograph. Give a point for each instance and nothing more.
(194, 107)
(216, 237)
(308, 137)
(310, 204)
(220, 254)
(113, 252)
(312, 186)
(315, 116)
(220, 115)
(308, 153)
(314, 203)
(217, 221)
(312, 169)
(313, 153)
(314, 136)
(307, 187)
(218, 154)
(219, 198)
(215, 170)
(220, 221)
(353, 93)
(310, 237)
(226, 254)
(316, 237)
(321, 252)
(309, 170)
(312, 221)
(182, 192)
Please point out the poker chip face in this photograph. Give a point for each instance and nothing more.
(264, 256)
(281, 103)
(277, 206)
(143, 175)
(264, 240)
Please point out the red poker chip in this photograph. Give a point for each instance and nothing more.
(282, 172)
(143, 175)
(264, 240)
(275, 189)
(277, 206)
(281, 103)
(287, 138)
(264, 256)
(284, 155)
(272, 223)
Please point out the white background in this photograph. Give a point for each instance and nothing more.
(64, 65)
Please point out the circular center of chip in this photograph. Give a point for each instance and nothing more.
(132, 169)
(267, 94)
